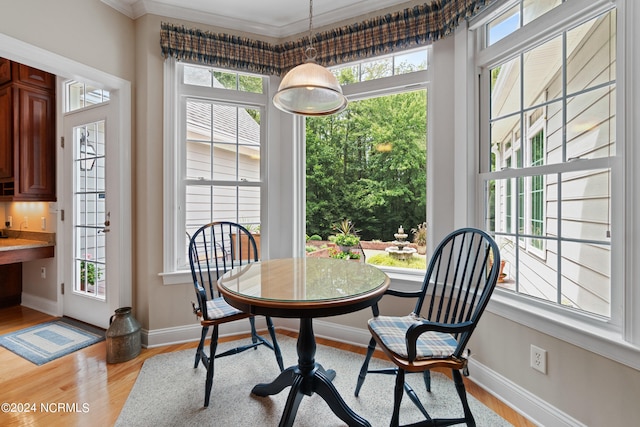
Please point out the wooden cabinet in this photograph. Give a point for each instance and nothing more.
(36, 146)
(10, 284)
(6, 134)
(5, 71)
(27, 134)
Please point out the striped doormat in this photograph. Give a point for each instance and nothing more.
(48, 341)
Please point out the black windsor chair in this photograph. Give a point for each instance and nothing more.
(214, 249)
(460, 278)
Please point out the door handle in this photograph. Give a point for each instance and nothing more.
(107, 223)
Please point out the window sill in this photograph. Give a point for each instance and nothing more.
(180, 277)
(400, 278)
(588, 333)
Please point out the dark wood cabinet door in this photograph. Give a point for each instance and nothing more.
(37, 155)
(6, 132)
(5, 71)
(35, 77)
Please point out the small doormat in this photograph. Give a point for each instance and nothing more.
(48, 341)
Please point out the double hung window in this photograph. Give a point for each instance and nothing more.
(549, 146)
(214, 164)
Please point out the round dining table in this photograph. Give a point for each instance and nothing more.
(304, 288)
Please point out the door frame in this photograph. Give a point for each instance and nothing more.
(65, 68)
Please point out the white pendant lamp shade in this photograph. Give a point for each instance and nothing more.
(310, 90)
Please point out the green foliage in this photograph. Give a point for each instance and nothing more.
(346, 240)
(315, 237)
(89, 273)
(346, 234)
(388, 261)
(345, 227)
(368, 163)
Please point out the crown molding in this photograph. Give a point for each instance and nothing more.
(134, 9)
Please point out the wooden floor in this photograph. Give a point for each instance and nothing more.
(81, 389)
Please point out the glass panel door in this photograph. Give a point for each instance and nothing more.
(91, 220)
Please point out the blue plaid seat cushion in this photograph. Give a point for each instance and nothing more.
(431, 344)
(218, 308)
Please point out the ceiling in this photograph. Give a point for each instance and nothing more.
(272, 18)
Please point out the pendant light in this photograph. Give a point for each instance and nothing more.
(310, 89)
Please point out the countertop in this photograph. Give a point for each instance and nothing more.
(10, 244)
(21, 246)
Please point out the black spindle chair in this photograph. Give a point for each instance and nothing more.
(460, 278)
(214, 249)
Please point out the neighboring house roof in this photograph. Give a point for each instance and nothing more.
(207, 120)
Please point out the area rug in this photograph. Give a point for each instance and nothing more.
(48, 341)
(169, 392)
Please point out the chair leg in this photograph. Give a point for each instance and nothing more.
(212, 353)
(457, 379)
(274, 341)
(411, 394)
(365, 365)
(203, 336)
(254, 334)
(427, 379)
(397, 398)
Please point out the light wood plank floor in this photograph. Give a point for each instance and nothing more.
(81, 389)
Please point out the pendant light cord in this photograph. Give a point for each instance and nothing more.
(310, 52)
(310, 23)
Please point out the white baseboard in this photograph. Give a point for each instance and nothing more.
(43, 305)
(341, 333)
(529, 405)
(190, 333)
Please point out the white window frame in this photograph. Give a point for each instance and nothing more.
(175, 266)
(618, 339)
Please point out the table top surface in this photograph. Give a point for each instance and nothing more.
(303, 284)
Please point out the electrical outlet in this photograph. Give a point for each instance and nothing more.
(539, 359)
(26, 222)
(43, 272)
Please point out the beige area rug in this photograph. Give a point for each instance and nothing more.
(169, 392)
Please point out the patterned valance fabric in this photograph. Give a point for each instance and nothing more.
(220, 50)
(393, 32)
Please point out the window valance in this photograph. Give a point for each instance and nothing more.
(393, 32)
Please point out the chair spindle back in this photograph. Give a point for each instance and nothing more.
(460, 279)
(214, 249)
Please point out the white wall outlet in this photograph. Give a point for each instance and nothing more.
(43, 272)
(26, 222)
(43, 223)
(539, 359)
(10, 221)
